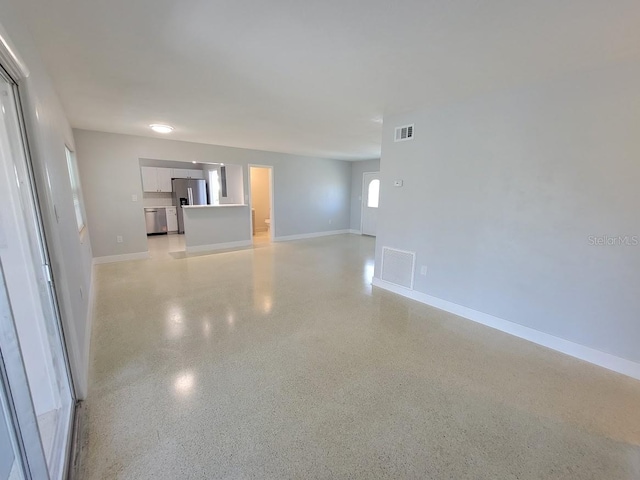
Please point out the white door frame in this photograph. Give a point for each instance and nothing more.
(362, 197)
(272, 226)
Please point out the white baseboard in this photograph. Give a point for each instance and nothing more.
(303, 236)
(218, 246)
(355, 232)
(121, 258)
(602, 359)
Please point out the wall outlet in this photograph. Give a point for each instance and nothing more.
(423, 270)
(134, 198)
(119, 239)
(398, 183)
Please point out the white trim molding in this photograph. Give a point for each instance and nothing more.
(353, 231)
(596, 357)
(10, 59)
(91, 313)
(304, 236)
(121, 258)
(219, 246)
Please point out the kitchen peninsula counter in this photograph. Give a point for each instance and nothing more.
(215, 227)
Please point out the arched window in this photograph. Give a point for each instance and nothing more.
(374, 193)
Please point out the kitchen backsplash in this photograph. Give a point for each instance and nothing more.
(152, 199)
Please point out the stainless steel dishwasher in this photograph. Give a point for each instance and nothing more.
(156, 220)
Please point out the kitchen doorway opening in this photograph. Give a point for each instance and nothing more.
(261, 203)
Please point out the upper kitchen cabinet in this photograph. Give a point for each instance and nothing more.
(156, 179)
(149, 179)
(164, 180)
(187, 173)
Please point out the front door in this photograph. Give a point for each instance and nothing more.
(370, 198)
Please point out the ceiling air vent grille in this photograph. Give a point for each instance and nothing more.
(404, 133)
(398, 267)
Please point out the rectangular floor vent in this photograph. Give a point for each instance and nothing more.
(398, 267)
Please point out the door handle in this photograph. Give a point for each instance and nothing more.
(190, 194)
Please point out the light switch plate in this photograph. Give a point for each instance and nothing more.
(134, 198)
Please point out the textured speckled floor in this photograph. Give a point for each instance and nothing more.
(281, 362)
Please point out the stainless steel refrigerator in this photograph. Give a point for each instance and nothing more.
(188, 191)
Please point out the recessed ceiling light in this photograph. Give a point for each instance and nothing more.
(159, 128)
(193, 161)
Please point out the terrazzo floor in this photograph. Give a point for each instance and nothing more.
(261, 238)
(283, 362)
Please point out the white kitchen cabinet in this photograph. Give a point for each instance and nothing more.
(187, 173)
(172, 219)
(164, 179)
(149, 179)
(156, 179)
(178, 173)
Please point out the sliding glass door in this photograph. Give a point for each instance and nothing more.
(21, 454)
(32, 347)
(10, 460)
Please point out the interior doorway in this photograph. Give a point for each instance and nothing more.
(370, 200)
(261, 203)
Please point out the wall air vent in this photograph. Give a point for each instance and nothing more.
(404, 133)
(398, 267)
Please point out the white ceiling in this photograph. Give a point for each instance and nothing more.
(308, 77)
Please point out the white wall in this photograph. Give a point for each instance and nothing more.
(311, 194)
(48, 132)
(357, 169)
(502, 192)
